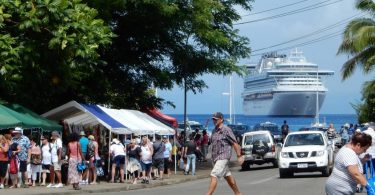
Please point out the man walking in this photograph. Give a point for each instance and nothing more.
(84, 142)
(23, 153)
(222, 141)
(284, 130)
(56, 151)
(158, 158)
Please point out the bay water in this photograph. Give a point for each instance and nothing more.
(295, 123)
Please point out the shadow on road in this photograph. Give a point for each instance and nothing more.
(257, 168)
(313, 175)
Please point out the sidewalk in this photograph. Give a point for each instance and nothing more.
(203, 171)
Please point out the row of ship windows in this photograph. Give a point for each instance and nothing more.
(252, 86)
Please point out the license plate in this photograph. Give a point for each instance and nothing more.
(302, 165)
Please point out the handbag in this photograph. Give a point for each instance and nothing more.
(98, 163)
(80, 166)
(36, 159)
(99, 171)
(370, 179)
(13, 165)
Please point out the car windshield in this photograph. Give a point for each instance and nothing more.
(192, 126)
(273, 128)
(239, 127)
(304, 139)
(249, 139)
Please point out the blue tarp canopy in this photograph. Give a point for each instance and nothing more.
(100, 114)
(118, 121)
(74, 113)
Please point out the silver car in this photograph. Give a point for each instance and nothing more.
(259, 147)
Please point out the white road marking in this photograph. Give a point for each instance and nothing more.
(263, 180)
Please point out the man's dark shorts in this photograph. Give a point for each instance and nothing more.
(146, 167)
(119, 160)
(3, 168)
(167, 163)
(45, 167)
(159, 164)
(23, 166)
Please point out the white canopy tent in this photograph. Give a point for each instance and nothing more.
(138, 122)
(116, 121)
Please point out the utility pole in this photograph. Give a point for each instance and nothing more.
(185, 107)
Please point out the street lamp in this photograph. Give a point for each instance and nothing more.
(230, 94)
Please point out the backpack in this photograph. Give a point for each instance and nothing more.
(64, 151)
(12, 147)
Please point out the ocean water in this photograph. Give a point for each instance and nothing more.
(294, 123)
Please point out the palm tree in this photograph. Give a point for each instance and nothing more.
(359, 43)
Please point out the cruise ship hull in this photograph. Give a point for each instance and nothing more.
(284, 104)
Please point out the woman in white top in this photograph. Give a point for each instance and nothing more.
(347, 171)
(146, 159)
(46, 158)
(117, 151)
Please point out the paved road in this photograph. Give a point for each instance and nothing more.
(258, 181)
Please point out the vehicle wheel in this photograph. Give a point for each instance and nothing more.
(285, 173)
(326, 171)
(275, 164)
(245, 166)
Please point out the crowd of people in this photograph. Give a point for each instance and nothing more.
(23, 159)
(28, 161)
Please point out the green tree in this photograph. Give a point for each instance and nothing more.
(366, 109)
(160, 43)
(359, 43)
(49, 52)
(58, 50)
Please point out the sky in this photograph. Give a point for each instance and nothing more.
(341, 94)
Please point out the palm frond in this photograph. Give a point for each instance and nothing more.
(366, 5)
(351, 34)
(368, 89)
(364, 38)
(369, 65)
(359, 59)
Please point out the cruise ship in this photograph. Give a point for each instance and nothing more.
(283, 85)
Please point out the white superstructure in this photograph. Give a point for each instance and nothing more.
(284, 86)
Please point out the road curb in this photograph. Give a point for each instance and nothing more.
(127, 187)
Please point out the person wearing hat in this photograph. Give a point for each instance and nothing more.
(84, 142)
(117, 151)
(56, 153)
(223, 140)
(92, 152)
(23, 152)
